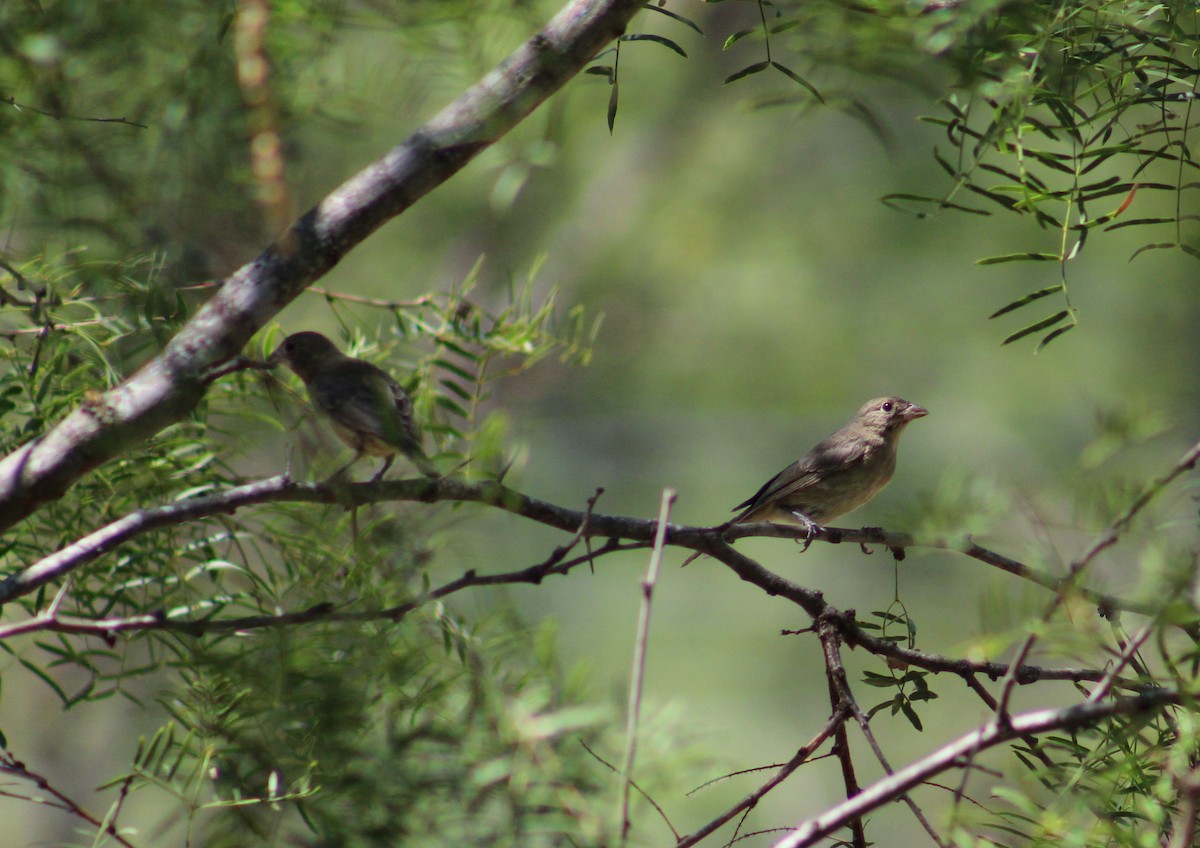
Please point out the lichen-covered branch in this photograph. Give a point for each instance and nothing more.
(169, 386)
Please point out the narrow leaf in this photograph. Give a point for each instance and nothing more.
(736, 37)
(1162, 245)
(796, 78)
(657, 39)
(1054, 334)
(670, 14)
(1036, 327)
(1018, 257)
(1029, 298)
(612, 107)
(757, 67)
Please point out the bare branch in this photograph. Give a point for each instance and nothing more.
(637, 672)
(1105, 540)
(751, 801)
(950, 756)
(638, 532)
(50, 795)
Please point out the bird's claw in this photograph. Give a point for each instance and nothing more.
(810, 530)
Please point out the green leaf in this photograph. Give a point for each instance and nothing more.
(796, 78)
(455, 388)
(1018, 257)
(657, 39)
(1162, 245)
(455, 369)
(446, 403)
(757, 67)
(881, 681)
(1054, 334)
(1029, 298)
(1036, 327)
(911, 715)
(670, 14)
(612, 106)
(939, 202)
(47, 679)
(738, 36)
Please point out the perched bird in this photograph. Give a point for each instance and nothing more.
(840, 474)
(368, 409)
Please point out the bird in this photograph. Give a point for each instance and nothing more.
(368, 409)
(838, 475)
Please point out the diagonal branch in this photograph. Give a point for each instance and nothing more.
(168, 387)
(953, 755)
(751, 801)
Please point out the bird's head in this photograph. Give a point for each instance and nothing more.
(888, 415)
(305, 353)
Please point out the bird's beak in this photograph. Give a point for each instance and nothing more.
(276, 358)
(915, 411)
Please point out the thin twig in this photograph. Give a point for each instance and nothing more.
(637, 674)
(59, 116)
(984, 695)
(1126, 657)
(1105, 540)
(661, 812)
(751, 801)
(9, 764)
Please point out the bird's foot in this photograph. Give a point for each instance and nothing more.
(810, 529)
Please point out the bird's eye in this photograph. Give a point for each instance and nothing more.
(887, 406)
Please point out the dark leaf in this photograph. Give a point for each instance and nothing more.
(657, 39)
(670, 14)
(1054, 334)
(1036, 327)
(911, 715)
(1029, 298)
(1018, 257)
(757, 67)
(796, 78)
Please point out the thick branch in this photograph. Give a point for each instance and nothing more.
(168, 387)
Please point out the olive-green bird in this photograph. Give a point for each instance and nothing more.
(369, 410)
(838, 475)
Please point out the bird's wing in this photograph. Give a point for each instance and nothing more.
(360, 397)
(832, 456)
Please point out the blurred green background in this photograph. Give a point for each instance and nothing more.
(754, 292)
